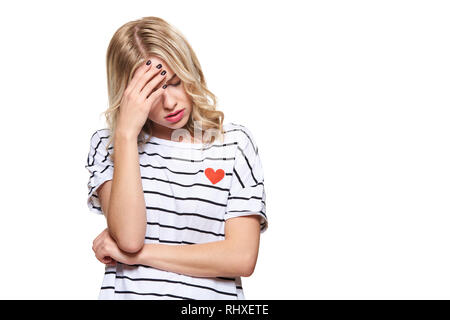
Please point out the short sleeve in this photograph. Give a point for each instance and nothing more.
(247, 194)
(100, 168)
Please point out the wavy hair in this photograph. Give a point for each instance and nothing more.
(130, 46)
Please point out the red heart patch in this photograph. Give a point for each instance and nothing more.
(214, 176)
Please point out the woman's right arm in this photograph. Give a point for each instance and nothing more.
(123, 199)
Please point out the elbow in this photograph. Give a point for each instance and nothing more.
(130, 245)
(248, 267)
(248, 271)
(129, 238)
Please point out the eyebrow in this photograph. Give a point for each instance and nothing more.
(174, 75)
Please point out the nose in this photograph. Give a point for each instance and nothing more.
(168, 101)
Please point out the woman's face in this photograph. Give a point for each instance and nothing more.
(173, 99)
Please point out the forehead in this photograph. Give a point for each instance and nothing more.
(157, 60)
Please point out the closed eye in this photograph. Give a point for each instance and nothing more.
(176, 84)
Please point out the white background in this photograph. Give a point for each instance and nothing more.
(348, 102)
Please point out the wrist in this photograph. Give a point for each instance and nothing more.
(126, 136)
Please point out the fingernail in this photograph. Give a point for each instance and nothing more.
(164, 86)
(163, 73)
(148, 62)
(159, 66)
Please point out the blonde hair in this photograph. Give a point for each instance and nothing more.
(129, 47)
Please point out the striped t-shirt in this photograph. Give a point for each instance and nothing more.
(190, 190)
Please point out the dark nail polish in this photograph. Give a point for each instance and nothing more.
(163, 73)
(159, 66)
(148, 62)
(164, 86)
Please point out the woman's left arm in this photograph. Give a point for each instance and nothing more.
(235, 256)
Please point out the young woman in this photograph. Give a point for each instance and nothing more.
(184, 217)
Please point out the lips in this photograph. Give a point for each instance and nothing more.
(174, 113)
